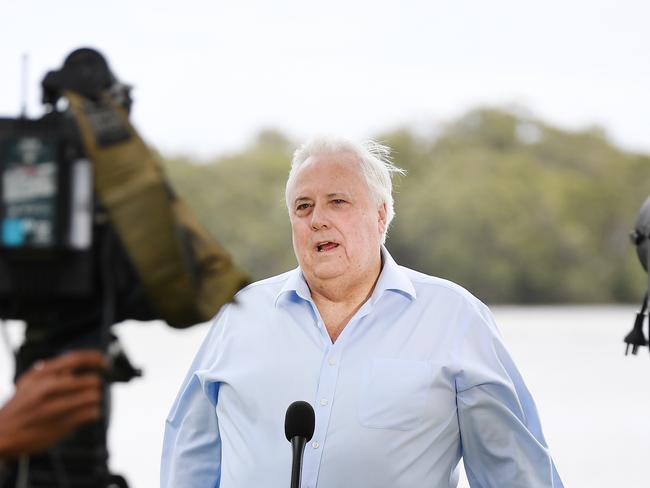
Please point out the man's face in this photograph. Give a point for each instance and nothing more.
(337, 228)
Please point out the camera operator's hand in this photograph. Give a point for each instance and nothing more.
(51, 399)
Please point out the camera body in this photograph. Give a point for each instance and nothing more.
(46, 212)
(640, 236)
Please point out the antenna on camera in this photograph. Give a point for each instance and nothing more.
(23, 88)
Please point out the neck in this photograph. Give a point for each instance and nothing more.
(339, 299)
(346, 290)
(342, 293)
(337, 307)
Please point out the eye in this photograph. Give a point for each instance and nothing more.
(338, 201)
(302, 206)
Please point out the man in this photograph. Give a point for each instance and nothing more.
(51, 400)
(406, 372)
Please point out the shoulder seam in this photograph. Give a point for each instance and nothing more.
(272, 280)
(457, 289)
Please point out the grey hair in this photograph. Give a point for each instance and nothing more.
(374, 161)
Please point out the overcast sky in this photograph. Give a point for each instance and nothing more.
(209, 75)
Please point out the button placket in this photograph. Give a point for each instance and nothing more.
(324, 397)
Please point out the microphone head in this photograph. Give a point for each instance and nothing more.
(299, 421)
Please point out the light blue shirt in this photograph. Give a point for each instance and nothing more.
(418, 378)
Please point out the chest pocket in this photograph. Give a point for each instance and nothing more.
(394, 393)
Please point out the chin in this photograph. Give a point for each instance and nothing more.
(326, 271)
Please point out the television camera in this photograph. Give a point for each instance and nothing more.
(91, 234)
(640, 237)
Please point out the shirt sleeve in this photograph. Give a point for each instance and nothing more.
(501, 436)
(191, 454)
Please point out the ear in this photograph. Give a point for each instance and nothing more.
(382, 213)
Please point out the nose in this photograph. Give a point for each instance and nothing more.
(319, 219)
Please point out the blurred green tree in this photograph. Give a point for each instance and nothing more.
(514, 209)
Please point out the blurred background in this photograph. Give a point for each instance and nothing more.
(522, 126)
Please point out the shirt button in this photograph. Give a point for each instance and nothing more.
(331, 361)
(323, 401)
(315, 445)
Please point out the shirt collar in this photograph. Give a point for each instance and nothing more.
(392, 277)
(295, 286)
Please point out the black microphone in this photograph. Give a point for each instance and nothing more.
(299, 429)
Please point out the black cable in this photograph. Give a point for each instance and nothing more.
(105, 338)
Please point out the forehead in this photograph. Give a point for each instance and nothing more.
(328, 173)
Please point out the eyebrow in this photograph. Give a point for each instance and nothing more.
(339, 194)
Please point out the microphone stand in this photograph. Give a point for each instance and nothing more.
(298, 448)
(299, 424)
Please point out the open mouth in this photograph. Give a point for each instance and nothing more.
(326, 246)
